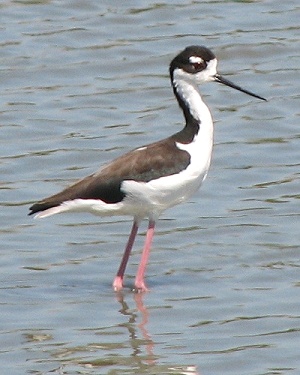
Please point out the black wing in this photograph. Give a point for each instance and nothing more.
(147, 163)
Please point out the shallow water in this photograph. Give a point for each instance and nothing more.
(83, 82)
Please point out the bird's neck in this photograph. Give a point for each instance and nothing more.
(190, 101)
(196, 113)
(196, 138)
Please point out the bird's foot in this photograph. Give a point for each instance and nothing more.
(140, 287)
(118, 284)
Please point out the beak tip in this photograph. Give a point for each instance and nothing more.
(218, 78)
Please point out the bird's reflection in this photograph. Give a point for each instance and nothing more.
(140, 313)
(138, 319)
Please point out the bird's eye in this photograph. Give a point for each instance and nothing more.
(199, 65)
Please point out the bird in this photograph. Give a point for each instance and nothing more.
(146, 181)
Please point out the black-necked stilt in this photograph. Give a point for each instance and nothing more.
(148, 180)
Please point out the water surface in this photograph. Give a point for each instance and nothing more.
(83, 82)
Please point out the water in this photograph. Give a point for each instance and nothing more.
(83, 82)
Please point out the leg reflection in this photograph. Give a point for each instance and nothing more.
(140, 339)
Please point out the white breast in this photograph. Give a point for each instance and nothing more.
(157, 195)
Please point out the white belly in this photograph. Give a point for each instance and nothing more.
(155, 196)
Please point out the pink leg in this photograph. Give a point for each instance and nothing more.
(118, 281)
(139, 279)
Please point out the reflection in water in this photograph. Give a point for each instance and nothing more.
(136, 328)
(133, 326)
(107, 351)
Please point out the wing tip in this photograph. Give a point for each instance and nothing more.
(42, 209)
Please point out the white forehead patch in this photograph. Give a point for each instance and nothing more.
(195, 60)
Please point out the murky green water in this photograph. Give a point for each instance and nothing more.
(83, 82)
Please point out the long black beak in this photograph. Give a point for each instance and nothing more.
(226, 82)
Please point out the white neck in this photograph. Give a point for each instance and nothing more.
(196, 112)
(192, 102)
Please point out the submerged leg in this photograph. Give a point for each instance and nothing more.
(139, 279)
(118, 281)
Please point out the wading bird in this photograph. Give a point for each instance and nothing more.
(149, 179)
